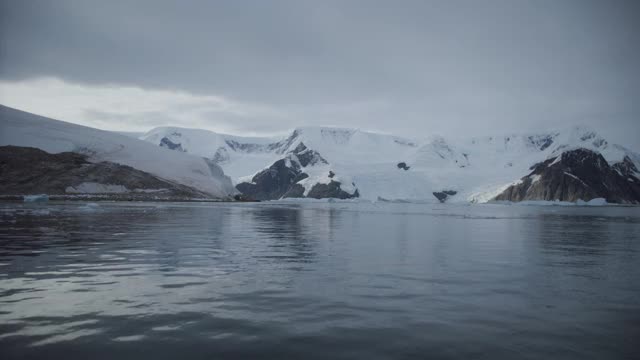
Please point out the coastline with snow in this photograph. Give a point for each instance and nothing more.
(67, 160)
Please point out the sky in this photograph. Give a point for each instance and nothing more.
(246, 67)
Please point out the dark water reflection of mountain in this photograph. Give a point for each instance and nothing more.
(318, 280)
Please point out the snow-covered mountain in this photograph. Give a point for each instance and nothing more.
(321, 162)
(18, 128)
(575, 175)
(237, 155)
(374, 166)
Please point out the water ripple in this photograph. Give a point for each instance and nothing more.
(318, 280)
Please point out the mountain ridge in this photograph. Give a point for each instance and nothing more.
(18, 128)
(316, 161)
(475, 168)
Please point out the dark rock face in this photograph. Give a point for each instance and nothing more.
(25, 170)
(403, 166)
(281, 146)
(577, 175)
(444, 194)
(295, 191)
(541, 142)
(330, 190)
(307, 156)
(405, 143)
(626, 168)
(165, 142)
(274, 182)
(281, 179)
(252, 148)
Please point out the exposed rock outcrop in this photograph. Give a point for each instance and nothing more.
(25, 170)
(541, 142)
(307, 156)
(443, 195)
(165, 142)
(626, 168)
(282, 179)
(295, 191)
(574, 175)
(330, 190)
(403, 166)
(273, 182)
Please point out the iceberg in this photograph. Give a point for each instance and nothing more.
(36, 198)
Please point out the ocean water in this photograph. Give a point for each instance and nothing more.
(318, 280)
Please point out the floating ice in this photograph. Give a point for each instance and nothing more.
(90, 207)
(593, 202)
(36, 198)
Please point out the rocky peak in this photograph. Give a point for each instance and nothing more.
(306, 156)
(284, 178)
(281, 146)
(579, 174)
(582, 161)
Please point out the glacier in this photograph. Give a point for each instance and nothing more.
(345, 163)
(476, 169)
(18, 128)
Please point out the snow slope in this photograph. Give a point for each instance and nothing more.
(478, 168)
(24, 129)
(237, 161)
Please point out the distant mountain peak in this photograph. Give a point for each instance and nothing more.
(475, 167)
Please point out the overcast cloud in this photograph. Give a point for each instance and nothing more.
(263, 67)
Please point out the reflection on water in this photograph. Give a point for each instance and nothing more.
(318, 280)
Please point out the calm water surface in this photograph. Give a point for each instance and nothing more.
(318, 280)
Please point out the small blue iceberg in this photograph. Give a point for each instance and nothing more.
(36, 198)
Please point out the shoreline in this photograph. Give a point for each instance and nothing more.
(115, 198)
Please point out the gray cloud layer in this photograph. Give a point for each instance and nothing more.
(396, 66)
